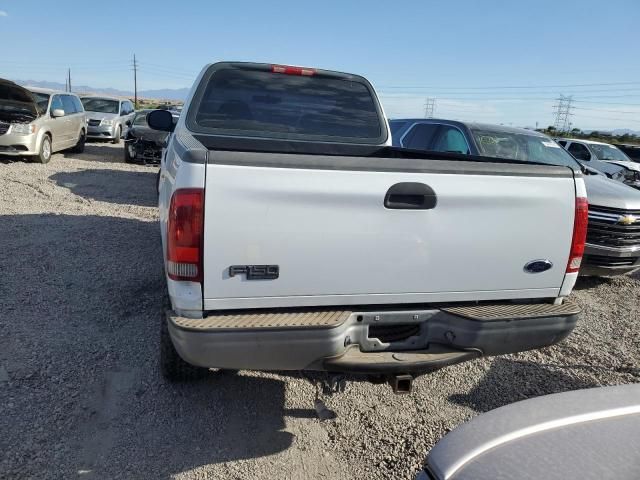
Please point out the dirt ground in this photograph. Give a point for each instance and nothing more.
(81, 287)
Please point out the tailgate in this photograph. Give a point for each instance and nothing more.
(323, 222)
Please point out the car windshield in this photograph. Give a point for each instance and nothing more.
(522, 146)
(608, 152)
(42, 99)
(101, 105)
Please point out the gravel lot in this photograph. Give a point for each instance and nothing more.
(80, 393)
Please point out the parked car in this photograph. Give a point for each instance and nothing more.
(36, 122)
(631, 151)
(615, 172)
(613, 237)
(611, 170)
(583, 434)
(141, 143)
(106, 116)
(296, 238)
(589, 150)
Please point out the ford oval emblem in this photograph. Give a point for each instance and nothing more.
(538, 266)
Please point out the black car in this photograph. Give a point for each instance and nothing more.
(632, 151)
(142, 144)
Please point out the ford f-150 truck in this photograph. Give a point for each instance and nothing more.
(296, 237)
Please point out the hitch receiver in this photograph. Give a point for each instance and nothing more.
(401, 384)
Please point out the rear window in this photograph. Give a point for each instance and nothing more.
(258, 103)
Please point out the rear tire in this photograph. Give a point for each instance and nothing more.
(79, 148)
(116, 140)
(45, 152)
(172, 366)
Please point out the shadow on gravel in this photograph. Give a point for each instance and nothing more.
(81, 316)
(586, 283)
(99, 151)
(114, 186)
(509, 381)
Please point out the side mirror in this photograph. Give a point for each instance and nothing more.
(128, 123)
(160, 120)
(57, 112)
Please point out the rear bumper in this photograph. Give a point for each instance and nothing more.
(351, 341)
(605, 261)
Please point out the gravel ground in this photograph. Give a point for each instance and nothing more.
(80, 392)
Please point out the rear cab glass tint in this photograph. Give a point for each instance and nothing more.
(249, 100)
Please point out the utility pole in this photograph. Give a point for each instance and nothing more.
(69, 75)
(135, 82)
(429, 107)
(563, 113)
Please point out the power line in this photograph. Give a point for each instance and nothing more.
(579, 85)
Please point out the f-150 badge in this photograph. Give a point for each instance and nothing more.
(255, 272)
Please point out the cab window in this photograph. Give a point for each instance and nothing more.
(68, 105)
(420, 136)
(579, 151)
(56, 103)
(450, 139)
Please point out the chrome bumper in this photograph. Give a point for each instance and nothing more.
(600, 260)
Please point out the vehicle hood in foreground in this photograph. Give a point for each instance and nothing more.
(605, 192)
(16, 103)
(588, 434)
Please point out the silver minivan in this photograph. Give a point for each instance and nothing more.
(36, 122)
(107, 116)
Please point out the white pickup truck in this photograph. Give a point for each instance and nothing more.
(296, 238)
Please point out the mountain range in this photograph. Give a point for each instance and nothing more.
(161, 94)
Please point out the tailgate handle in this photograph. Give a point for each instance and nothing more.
(410, 196)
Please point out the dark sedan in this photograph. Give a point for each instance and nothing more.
(142, 144)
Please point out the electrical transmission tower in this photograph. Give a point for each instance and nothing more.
(563, 113)
(429, 107)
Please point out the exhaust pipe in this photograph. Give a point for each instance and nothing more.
(401, 384)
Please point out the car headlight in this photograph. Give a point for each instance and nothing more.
(106, 122)
(23, 128)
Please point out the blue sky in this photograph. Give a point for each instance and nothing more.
(463, 53)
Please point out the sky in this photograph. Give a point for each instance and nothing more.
(491, 61)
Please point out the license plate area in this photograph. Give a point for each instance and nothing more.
(395, 331)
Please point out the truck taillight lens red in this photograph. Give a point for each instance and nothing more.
(185, 235)
(579, 234)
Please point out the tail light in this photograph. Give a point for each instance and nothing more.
(579, 234)
(289, 70)
(185, 235)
